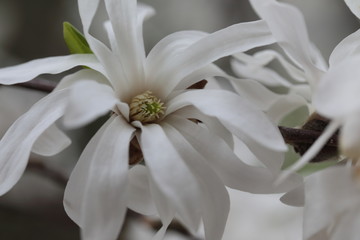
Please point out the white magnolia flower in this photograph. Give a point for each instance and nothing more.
(332, 209)
(184, 135)
(288, 27)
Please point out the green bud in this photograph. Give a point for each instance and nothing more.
(75, 40)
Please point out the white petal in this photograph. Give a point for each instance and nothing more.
(253, 67)
(161, 54)
(88, 100)
(327, 194)
(347, 47)
(215, 203)
(171, 175)
(236, 38)
(337, 93)
(256, 93)
(232, 171)
(234, 112)
(83, 74)
(74, 192)
(288, 26)
(53, 65)
(51, 142)
(104, 201)
(139, 196)
(96, 193)
(16, 144)
(354, 6)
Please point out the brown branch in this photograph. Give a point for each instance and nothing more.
(39, 84)
(294, 136)
(50, 173)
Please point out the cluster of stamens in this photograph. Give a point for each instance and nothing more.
(146, 108)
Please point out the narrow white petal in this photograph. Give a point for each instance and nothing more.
(105, 194)
(51, 142)
(234, 112)
(95, 197)
(354, 6)
(109, 60)
(348, 47)
(16, 144)
(52, 65)
(171, 175)
(88, 100)
(288, 26)
(127, 19)
(236, 38)
(232, 171)
(139, 196)
(215, 203)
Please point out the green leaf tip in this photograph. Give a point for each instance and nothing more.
(75, 40)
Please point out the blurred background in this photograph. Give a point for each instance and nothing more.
(33, 29)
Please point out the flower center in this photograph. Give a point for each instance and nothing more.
(146, 108)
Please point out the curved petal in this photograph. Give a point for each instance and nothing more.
(234, 112)
(74, 191)
(105, 195)
(16, 144)
(83, 74)
(51, 142)
(88, 100)
(171, 175)
(96, 193)
(236, 38)
(53, 65)
(215, 202)
(139, 196)
(232, 171)
(289, 29)
(168, 47)
(348, 47)
(354, 6)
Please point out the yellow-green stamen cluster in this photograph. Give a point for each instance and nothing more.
(146, 108)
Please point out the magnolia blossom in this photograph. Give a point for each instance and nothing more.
(332, 209)
(305, 64)
(184, 136)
